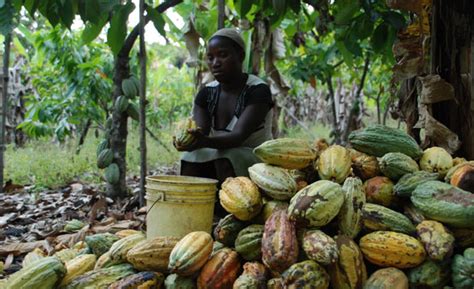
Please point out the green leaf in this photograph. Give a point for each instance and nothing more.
(295, 6)
(7, 18)
(379, 37)
(395, 19)
(243, 7)
(67, 12)
(91, 31)
(118, 27)
(17, 4)
(19, 48)
(348, 58)
(50, 9)
(362, 27)
(90, 11)
(31, 6)
(157, 20)
(344, 11)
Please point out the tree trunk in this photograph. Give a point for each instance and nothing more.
(451, 40)
(119, 131)
(6, 61)
(143, 165)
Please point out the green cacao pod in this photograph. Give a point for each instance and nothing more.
(190, 253)
(387, 278)
(438, 241)
(101, 278)
(288, 153)
(100, 243)
(227, 230)
(379, 190)
(105, 261)
(379, 140)
(444, 203)
(44, 273)
(350, 215)
(392, 249)
(349, 271)
(132, 111)
(121, 103)
(408, 183)
(105, 158)
(334, 164)
(174, 281)
(73, 226)
(320, 247)
(249, 242)
(463, 270)
(216, 246)
(32, 256)
(146, 279)
(279, 243)
(152, 255)
(112, 173)
(395, 165)
(118, 250)
(436, 160)
(240, 197)
(305, 275)
(254, 277)
(429, 275)
(129, 88)
(380, 218)
(276, 182)
(363, 165)
(317, 204)
(268, 208)
(104, 144)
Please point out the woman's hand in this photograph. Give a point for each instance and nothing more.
(199, 140)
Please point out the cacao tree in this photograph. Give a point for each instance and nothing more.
(95, 15)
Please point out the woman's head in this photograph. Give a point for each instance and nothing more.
(225, 54)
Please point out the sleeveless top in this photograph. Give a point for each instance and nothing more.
(255, 91)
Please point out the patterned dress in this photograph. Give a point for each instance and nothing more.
(242, 157)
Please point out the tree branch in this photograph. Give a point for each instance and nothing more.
(132, 37)
(356, 100)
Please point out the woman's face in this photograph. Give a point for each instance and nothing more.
(223, 59)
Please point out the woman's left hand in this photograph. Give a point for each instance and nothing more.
(200, 140)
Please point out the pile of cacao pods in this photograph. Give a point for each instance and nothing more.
(381, 213)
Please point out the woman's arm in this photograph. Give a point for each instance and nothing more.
(202, 118)
(252, 116)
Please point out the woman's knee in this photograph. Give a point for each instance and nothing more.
(224, 169)
(205, 170)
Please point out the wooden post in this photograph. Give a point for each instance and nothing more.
(143, 166)
(6, 63)
(221, 14)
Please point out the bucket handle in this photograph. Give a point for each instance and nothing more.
(160, 196)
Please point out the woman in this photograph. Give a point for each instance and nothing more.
(233, 113)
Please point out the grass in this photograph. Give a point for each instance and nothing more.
(45, 164)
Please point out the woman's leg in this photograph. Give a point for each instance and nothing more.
(203, 170)
(224, 169)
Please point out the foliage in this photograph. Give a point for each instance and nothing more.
(51, 165)
(170, 86)
(72, 83)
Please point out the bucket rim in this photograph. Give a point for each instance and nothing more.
(178, 179)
